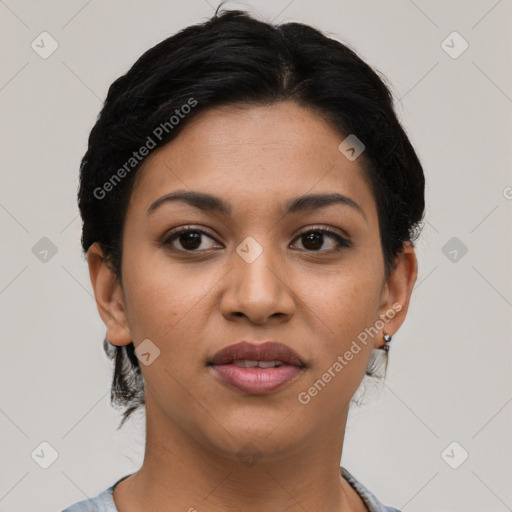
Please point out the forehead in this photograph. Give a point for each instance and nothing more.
(253, 154)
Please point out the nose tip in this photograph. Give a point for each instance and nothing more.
(255, 291)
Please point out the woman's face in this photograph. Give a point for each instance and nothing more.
(257, 273)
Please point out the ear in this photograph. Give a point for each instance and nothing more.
(396, 292)
(109, 297)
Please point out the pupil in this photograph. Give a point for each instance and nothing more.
(190, 240)
(315, 239)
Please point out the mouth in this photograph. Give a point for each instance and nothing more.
(256, 368)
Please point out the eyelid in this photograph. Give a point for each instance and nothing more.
(189, 227)
(323, 227)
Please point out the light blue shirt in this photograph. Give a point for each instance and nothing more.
(104, 502)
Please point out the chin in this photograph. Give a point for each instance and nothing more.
(264, 437)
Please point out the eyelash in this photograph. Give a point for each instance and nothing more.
(343, 243)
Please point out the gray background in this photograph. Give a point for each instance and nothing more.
(449, 377)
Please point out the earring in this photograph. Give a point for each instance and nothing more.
(387, 340)
(378, 364)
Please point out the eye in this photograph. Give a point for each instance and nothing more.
(314, 238)
(189, 238)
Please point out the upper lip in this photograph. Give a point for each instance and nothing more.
(267, 351)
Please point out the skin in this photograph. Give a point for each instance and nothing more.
(192, 304)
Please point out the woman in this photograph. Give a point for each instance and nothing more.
(249, 204)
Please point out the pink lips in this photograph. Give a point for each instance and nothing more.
(257, 380)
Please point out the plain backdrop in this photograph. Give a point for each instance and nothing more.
(437, 437)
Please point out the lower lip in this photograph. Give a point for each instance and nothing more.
(256, 380)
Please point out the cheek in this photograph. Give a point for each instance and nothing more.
(166, 300)
(349, 298)
(150, 283)
(345, 303)
(153, 304)
(165, 306)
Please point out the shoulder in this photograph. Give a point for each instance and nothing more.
(371, 501)
(103, 502)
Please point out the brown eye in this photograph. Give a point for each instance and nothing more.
(187, 239)
(314, 240)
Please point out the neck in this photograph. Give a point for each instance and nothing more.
(181, 471)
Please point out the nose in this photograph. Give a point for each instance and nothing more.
(258, 290)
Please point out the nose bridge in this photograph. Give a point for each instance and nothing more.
(256, 286)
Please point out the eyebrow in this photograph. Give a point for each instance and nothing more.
(208, 202)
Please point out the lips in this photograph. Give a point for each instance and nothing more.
(256, 369)
(268, 351)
